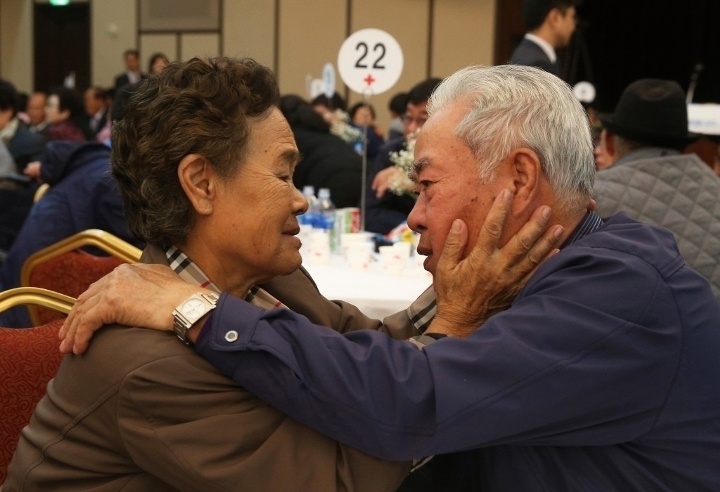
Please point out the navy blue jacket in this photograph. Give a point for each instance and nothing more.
(25, 147)
(83, 195)
(602, 375)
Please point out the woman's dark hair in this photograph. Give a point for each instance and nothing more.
(354, 109)
(72, 101)
(155, 57)
(9, 98)
(201, 106)
(299, 113)
(334, 102)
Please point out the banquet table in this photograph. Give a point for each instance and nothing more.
(376, 292)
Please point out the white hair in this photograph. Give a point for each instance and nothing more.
(514, 106)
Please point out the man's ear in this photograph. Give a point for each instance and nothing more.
(199, 182)
(527, 174)
(608, 139)
(553, 16)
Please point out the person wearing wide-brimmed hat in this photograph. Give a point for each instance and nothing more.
(644, 173)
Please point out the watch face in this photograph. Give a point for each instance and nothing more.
(193, 308)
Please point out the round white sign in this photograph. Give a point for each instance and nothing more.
(370, 61)
(584, 91)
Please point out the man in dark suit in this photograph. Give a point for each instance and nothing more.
(96, 108)
(132, 74)
(550, 25)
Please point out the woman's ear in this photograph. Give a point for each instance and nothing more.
(198, 181)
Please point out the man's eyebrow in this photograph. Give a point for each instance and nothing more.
(417, 167)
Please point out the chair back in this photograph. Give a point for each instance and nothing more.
(29, 358)
(64, 267)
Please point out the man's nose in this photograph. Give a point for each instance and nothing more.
(416, 218)
(300, 203)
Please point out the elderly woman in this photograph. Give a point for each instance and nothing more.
(204, 161)
(65, 114)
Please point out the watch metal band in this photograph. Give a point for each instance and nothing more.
(182, 324)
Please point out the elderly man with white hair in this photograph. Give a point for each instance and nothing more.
(601, 375)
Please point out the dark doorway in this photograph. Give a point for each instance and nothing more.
(509, 29)
(62, 45)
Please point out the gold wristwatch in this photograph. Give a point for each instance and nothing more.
(190, 310)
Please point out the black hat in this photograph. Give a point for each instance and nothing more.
(651, 112)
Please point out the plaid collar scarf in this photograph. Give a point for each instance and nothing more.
(191, 273)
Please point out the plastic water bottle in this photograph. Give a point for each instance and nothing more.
(309, 218)
(326, 217)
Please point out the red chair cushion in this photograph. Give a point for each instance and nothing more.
(29, 358)
(71, 274)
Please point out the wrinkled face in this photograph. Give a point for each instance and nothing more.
(415, 117)
(36, 109)
(448, 185)
(255, 213)
(53, 112)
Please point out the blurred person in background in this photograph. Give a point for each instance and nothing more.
(66, 116)
(157, 63)
(36, 112)
(550, 24)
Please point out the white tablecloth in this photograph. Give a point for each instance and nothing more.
(376, 293)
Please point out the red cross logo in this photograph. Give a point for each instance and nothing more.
(369, 79)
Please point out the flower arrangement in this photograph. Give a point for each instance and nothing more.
(400, 183)
(340, 125)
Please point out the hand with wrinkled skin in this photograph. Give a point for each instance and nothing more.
(471, 290)
(132, 294)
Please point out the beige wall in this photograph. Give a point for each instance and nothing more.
(113, 29)
(310, 35)
(249, 29)
(16, 42)
(296, 40)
